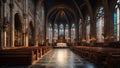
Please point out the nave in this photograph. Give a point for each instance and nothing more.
(59, 58)
(30, 29)
(62, 58)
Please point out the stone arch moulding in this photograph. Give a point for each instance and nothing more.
(18, 24)
(18, 18)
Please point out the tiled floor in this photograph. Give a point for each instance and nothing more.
(62, 58)
(59, 58)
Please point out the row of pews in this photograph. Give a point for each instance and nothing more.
(22, 55)
(105, 56)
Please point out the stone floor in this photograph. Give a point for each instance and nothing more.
(59, 58)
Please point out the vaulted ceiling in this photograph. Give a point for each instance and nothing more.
(73, 9)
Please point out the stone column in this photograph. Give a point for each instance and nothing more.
(25, 26)
(12, 23)
(0, 11)
(53, 33)
(111, 15)
(69, 33)
(83, 32)
(77, 33)
(4, 24)
(64, 31)
(4, 33)
(92, 31)
(36, 29)
(106, 22)
(25, 32)
(58, 31)
(45, 32)
(1, 24)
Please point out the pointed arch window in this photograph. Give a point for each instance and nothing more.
(61, 29)
(100, 24)
(88, 29)
(117, 21)
(55, 32)
(73, 33)
(50, 33)
(66, 32)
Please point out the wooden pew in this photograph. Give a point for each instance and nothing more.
(17, 57)
(99, 55)
(22, 55)
(113, 60)
(45, 49)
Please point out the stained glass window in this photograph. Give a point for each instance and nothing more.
(50, 33)
(61, 29)
(88, 30)
(73, 33)
(100, 24)
(55, 32)
(116, 21)
(66, 32)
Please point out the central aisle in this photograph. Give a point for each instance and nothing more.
(62, 58)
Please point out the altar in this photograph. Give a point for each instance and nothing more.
(61, 42)
(61, 45)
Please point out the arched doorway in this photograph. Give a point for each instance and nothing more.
(18, 30)
(31, 32)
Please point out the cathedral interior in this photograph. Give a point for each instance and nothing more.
(59, 33)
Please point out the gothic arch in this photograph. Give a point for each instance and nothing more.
(102, 4)
(89, 8)
(59, 7)
(39, 4)
(18, 30)
(30, 33)
(18, 22)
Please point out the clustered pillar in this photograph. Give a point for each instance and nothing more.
(11, 23)
(25, 27)
(36, 30)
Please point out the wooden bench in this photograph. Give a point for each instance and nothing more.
(22, 55)
(99, 55)
(17, 57)
(45, 49)
(113, 60)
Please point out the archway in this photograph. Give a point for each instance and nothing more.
(18, 30)
(30, 33)
(59, 7)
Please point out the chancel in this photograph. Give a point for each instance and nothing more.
(61, 42)
(59, 33)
